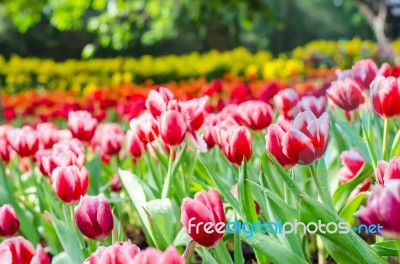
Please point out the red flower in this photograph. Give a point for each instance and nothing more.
(388, 170)
(157, 101)
(314, 104)
(145, 126)
(364, 72)
(193, 112)
(48, 135)
(24, 141)
(286, 101)
(108, 139)
(346, 94)
(5, 150)
(307, 139)
(206, 207)
(257, 115)
(385, 96)
(70, 183)
(118, 253)
(352, 161)
(82, 125)
(155, 256)
(93, 217)
(134, 145)
(172, 127)
(21, 251)
(9, 223)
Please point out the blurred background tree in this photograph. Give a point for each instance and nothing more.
(64, 29)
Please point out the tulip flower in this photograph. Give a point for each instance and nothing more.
(193, 112)
(24, 141)
(274, 138)
(9, 223)
(172, 127)
(70, 182)
(93, 217)
(388, 170)
(383, 208)
(145, 126)
(364, 72)
(115, 183)
(155, 256)
(157, 101)
(82, 125)
(307, 139)
(235, 142)
(256, 115)
(118, 253)
(206, 207)
(108, 139)
(5, 151)
(134, 144)
(48, 135)
(385, 95)
(286, 101)
(21, 251)
(347, 94)
(314, 104)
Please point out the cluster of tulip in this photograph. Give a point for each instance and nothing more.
(92, 192)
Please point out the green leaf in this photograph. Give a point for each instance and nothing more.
(322, 175)
(343, 192)
(61, 258)
(345, 247)
(69, 241)
(386, 248)
(238, 251)
(347, 214)
(395, 151)
(206, 256)
(270, 247)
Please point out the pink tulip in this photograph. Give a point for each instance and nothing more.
(193, 112)
(157, 101)
(145, 126)
(385, 95)
(286, 101)
(206, 207)
(388, 170)
(24, 141)
(48, 135)
(9, 223)
(364, 72)
(118, 253)
(346, 94)
(172, 127)
(5, 150)
(256, 115)
(134, 144)
(70, 182)
(21, 251)
(108, 139)
(155, 256)
(82, 125)
(93, 217)
(314, 104)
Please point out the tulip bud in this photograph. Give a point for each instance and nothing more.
(273, 139)
(24, 141)
(134, 145)
(108, 139)
(93, 217)
(5, 151)
(257, 115)
(118, 253)
(286, 101)
(193, 112)
(206, 207)
(70, 182)
(364, 72)
(9, 223)
(314, 104)
(157, 101)
(146, 127)
(155, 256)
(21, 251)
(385, 93)
(115, 183)
(307, 139)
(346, 94)
(172, 127)
(48, 135)
(388, 170)
(383, 208)
(82, 125)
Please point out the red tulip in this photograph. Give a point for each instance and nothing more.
(385, 70)
(385, 95)
(5, 150)
(364, 72)
(118, 253)
(352, 161)
(286, 101)
(193, 112)
(21, 251)
(48, 135)
(274, 138)
(82, 125)
(383, 208)
(314, 104)
(346, 94)
(134, 145)
(206, 207)
(155, 256)
(70, 182)
(172, 127)
(157, 101)
(146, 127)
(388, 170)
(93, 217)
(108, 139)
(307, 139)
(235, 141)
(115, 183)
(9, 223)
(24, 141)
(268, 91)
(257, 115)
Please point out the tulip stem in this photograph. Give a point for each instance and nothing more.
(189, 251)
(385, 138)
(318, 185)
(222, 253)
(168, 180)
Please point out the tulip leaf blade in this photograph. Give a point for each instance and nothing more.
(270, 247)
(395, 150)
(386, 248)
(94, 169)
(347, 213)
(344, 247)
